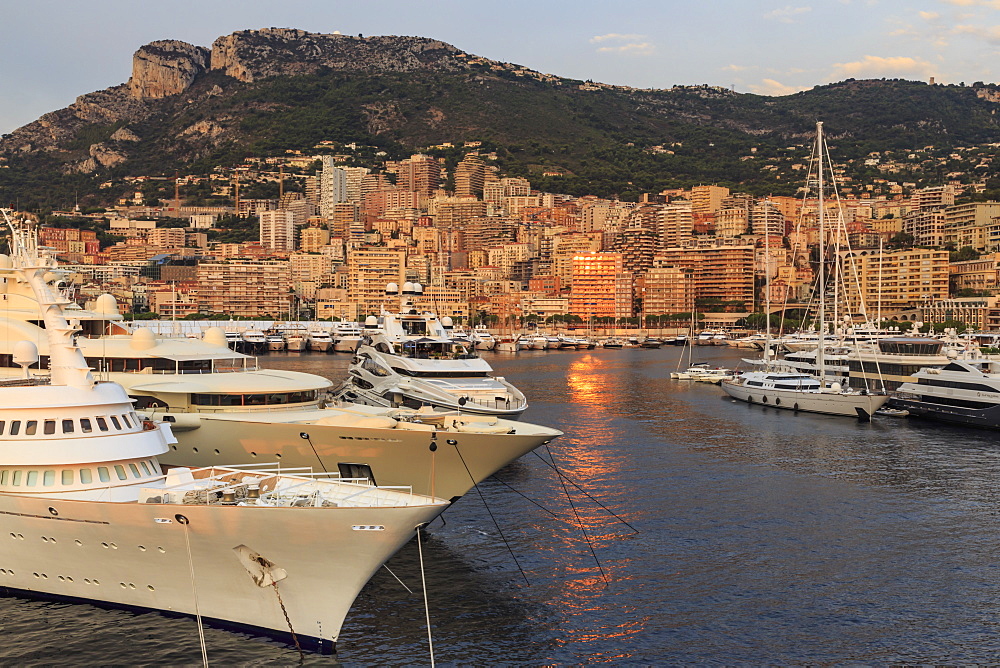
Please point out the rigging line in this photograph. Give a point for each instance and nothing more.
(579, 520)
(493, 477)
(584, 492)
(397, 579)
(194, 590)
(488, 510)
(427, 608)
(305, 436)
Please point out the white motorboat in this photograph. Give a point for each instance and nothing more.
(252, 342)
(408, 359)
(91, 516)
(483, 339)
(296, 339)
(275, 342)
(320, 341)
(225, 408)
(965, 392)
(346, 337)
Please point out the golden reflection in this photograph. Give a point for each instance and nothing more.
(587, 379)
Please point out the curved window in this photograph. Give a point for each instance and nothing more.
(120, 471)
(30, 427)
(15, 427)
(3, 477)
(17, 478)
(67, 427)
(104, 474)
(67, 476)
(49, 478)
(32, 478)
(85, 426)
(102, 424)
(145, 469)
(115, 422)
(275, 398)
(128, 425)
(86, 477)
(50, 426)
(135, 470)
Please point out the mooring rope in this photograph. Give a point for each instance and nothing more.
(185, 522)
(427, 607)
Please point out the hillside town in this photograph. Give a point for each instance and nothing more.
(488, 247)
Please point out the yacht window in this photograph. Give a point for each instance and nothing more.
(17, 478)
(30, 427)
(68, 427)
(32, 479)
(49, 427)
(755, 383)
(85, 425)
(15, 426)
(86, 477)
(102, 424)
(128, 425)
(103, 474)
(49, 478)
(3, 477)
(153, 464)
(67, 476)
(2, 422)
(135, 470)
(145, 469)
(120, 470)
(115, 422)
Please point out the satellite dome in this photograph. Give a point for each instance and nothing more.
(107, 305)
(143, 338)
(215, 336)
(25, 353)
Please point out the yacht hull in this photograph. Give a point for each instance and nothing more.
(136, 556)
(982, 418)
(827, 403)
(395, 456)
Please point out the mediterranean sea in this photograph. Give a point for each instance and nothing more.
(762, 537)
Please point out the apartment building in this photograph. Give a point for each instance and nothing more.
(980, 274)
(902, 279)
(926, 226)
(974, 224)
(667, 289)
(600, 287)
(723, 272)
(332, 186)
(707, 199)
(277, 230)
(369, 271)
(239, 287)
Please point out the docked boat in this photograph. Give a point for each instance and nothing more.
(91, 515)
(408, 359)
(319, 341)
(796, 390)
(483, 339)
(275, 342)
(252, 342)
(650, 342)
(613, 342)
(963, 392)
(225, 408)
(346, 337)
(295, 340)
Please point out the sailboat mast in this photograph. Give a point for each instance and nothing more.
(821, 283)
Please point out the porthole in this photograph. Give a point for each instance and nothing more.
(253, 454)
(142, 548)
(150, 588)
(763, 400)
(194, 449)
(113, 546)
(161, 550)
(777, 401)
(123, 585)
(217, 451)
(78, 542)
(104, 545)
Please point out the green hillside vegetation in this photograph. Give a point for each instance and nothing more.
(608, 142)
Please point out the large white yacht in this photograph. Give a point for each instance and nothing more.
(89, 515)
(965, 392)
(409, 359)
(346, 337)
(225, 408)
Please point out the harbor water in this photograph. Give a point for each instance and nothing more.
(760, 536)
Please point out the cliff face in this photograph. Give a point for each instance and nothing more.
(254, 54)
(165, 68)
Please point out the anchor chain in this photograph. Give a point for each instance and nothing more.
(288, 621)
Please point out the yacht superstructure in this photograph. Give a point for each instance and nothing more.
(965, 392)
(409, 359)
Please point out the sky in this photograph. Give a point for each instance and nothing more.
(51, 51)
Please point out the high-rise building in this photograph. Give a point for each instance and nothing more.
(707, 199)
(722, 272)
(332, 186)
(369, 271)
(766, 218)
(277, 230)
(244, 287)
(470, 176)
(419, 173)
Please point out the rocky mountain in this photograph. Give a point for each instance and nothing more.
(264, 91)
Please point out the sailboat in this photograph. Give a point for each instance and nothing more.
(802, 391)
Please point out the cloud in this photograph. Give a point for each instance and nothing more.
(632, 45)
(877, 66)
(990, 4)
(736, 68)
(990, 34)
(929, 16)
(775, 88)
(614, 36)
(787, 13)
